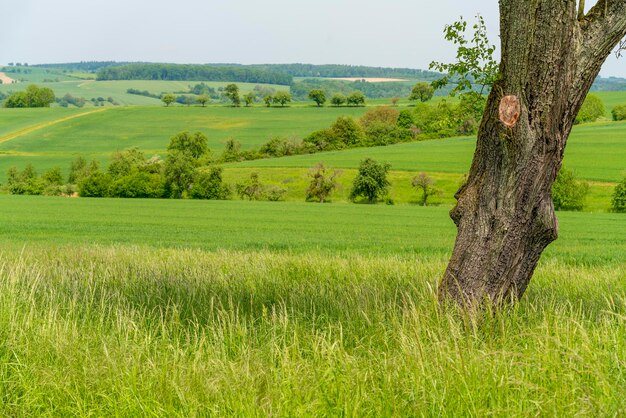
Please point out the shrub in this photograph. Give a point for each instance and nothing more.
(274, 193)
(321, 140)
(125, 162)
(618, 202)
(322, 183)
(24, 183)
(347, 132)
(97, 184)
(232, 151)
(567, 192)
(138, 185)
(279, 147)
(406, 119)
(381, 114)
(371, 180)
(619, 112)
(591, 110)
(208, 184)
(251, 188)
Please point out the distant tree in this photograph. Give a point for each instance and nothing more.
(232, 151)
(322, 183)
(282, 98)
(203, 99)
(567, 192)
(347, 132)
(124, 162)
(231, 92)
(422, 91)
(179, 171)
(208, 184)
(424, 184)
(33, 96)
(195, 145)
(268, 100)
(591, 110)
(318, 96)
(249, 98)
(39, 96)
(168, 99)
(53, 177)
(618, 203)
(619, 113)
(371, 180)
(395, 100)
(356, 98)
(79, 170)
(338, 99)
(17, 100)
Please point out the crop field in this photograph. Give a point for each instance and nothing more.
(182, 308)
(596, 152)
(149, 128)
(117, 89)
(133, 307)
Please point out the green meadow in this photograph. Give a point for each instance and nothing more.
(596, 152)
(118, 89)
(133, 307)
(55, 136)
(112, 307)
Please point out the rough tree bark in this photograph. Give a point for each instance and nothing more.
(504, 214)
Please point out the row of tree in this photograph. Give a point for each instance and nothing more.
(189, 172)
(193, 72)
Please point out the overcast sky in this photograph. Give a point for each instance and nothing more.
(391, 33)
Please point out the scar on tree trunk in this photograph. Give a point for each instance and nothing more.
(551, 54)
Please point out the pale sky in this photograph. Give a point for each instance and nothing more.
(391, 33)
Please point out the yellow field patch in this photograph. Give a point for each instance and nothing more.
(230, 124)
(25, 131)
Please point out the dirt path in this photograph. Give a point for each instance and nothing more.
(5, 79)
(25, 131)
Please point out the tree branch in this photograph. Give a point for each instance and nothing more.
(581, 10)
(601, 29)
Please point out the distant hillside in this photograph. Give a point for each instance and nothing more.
(341, 71)
(267, 73)
(87, 66)
(609, 84)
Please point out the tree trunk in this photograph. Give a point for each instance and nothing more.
(504, 212)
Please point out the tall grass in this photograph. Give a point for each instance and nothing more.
(126, 331)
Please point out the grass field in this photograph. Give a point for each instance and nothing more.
(149, 128)
(33, 75)
(596, 152)
(289, 226)
(117, 89)
(131, 307)
(193, 308)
